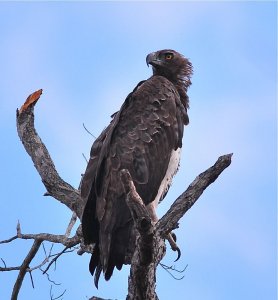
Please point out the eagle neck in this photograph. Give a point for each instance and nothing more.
(181, 84)
(181, 87)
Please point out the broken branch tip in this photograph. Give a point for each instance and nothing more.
(32, 99)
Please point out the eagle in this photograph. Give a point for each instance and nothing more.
(144, 137)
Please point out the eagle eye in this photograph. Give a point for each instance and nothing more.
(169, 56)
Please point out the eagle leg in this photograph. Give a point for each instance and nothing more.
(171, 237)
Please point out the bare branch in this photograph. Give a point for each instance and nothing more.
(59, 239)
(9, 240)
(23, 269)
(186, 200)
(27, 270)
(71, 224)
(6, 269)
(54, 238)
(55, 185)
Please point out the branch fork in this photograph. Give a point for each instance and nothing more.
(142, 274)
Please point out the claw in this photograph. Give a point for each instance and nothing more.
(179, 253)
(174, 236)
(172, 241)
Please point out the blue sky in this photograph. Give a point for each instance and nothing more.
(87, 56)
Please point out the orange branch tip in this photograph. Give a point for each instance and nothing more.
(32, 99)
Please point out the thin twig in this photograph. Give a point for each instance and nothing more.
(18, 229)
(71, 224)
(88, 131)
(44, 250)
(47, 257)
(51, 295)
(55, 259)
(85, 158)
(172, 268)
(60, 295)
(7, 269)
(48, 278)
(9, 240)
(54, 238)
(31, 277)
(3, 262)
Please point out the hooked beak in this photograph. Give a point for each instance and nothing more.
(152, 59)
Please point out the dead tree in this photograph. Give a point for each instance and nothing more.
(150, 246)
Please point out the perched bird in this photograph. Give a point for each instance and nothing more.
(144, 137)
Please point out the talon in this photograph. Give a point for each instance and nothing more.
(179, 253)
(174, 236)
(172, 241)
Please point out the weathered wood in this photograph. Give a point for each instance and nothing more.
(187, 199)
(54, 184)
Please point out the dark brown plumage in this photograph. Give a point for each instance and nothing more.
(141, 138)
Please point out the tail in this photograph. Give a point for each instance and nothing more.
(95, 265)
(113, 247)
(121, 248)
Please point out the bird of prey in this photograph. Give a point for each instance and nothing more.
(144, 137)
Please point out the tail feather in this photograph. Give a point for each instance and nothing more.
(114, 247)
(97, 274)
(90, 224)
(94, 261)
(95, 265)
(109, 271)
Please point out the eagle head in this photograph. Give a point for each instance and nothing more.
(170, 64)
